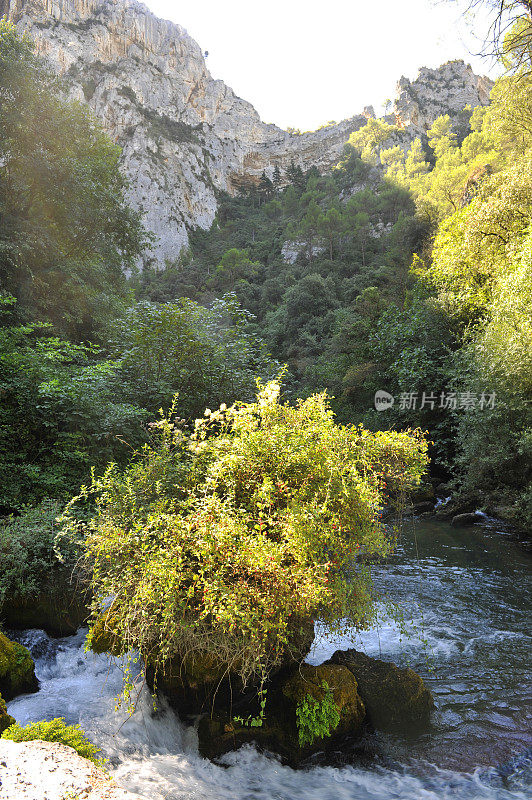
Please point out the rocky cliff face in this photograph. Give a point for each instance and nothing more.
(446, 90)
(183, 134)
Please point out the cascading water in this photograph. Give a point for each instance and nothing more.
(466, 594)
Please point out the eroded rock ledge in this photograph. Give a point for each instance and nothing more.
(44, 770)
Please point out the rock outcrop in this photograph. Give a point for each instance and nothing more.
(278, 731)
(184, 135)
(44, 770)
(395, 698)
(59, 607)
(445, 90)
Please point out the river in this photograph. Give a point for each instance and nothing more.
(466, 595)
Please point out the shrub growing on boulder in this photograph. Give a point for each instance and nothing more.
(213, 543)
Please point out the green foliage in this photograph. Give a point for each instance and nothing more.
(56, 731)
(60, 412)
(345, 238)
(215, 544)
(66, 233)
(27, 550)
(67, 407)
(201, 354)
(316, 719)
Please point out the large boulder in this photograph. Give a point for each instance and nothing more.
(59, 608)
(17, 671)
(5, 720)
(278, 731)
(464, 520)
(105, 636)
(195, 683)
(36, 770)
(394, 698)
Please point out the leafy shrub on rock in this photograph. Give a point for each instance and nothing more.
(213, 543)
(56, 731)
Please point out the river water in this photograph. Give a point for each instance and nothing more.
(466, 595)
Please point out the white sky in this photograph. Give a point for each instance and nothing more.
(302, 63)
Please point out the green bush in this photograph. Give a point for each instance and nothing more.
(215, 543)
(27, 550)
(56, 731)
(316, 719)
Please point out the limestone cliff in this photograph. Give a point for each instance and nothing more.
(185, 135)
(446, 90)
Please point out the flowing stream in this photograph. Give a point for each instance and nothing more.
(466, 598)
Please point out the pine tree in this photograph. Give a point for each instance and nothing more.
(277, 178)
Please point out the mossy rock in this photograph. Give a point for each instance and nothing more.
(309, 680)
(394, 698)
(220, 732)
(5, 720)
(104, 635)
(17, 671)
(200, 680)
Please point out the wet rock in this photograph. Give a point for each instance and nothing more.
(5, 719)
(278, 732)
(104, 636)
(421, 508)
(59, 609)
(198, 681)
(462, 520)
(458, 504)
(17, 672)
(394, 698)
(58, 616)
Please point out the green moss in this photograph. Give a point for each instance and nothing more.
(5, 720)
(104, 635)
(17, 673)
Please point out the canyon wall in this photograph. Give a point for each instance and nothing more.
(184, 135)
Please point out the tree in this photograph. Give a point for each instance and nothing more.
(265, 186)
(309, 227)
(296, 176)
(331, 225)
(201, 354)
(66, 232)
(277, 178)
(509, 36)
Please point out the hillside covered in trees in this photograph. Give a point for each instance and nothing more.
(406, 270)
